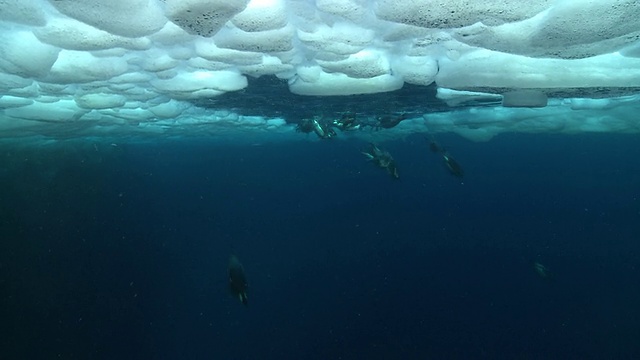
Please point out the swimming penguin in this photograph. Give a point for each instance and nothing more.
(542, 271)
(322, 128)
(452, 165)
(317, 125)
(305, 126)
(237, 280)
(389, 121)
(434, 147)
(347, 121)
(383, 159)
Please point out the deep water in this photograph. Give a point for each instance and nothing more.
(120, 252)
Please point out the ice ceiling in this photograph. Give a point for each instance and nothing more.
(151, 65)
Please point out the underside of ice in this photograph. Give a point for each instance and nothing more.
(486, 66)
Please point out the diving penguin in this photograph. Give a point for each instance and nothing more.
(454, 168)
(542, 271)
(383, 159)
(389, 121)
(237, 280)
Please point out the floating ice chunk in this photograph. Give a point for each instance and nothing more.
(122, 116)
(261, 15)
(341, 38)
(269, 65)
(417, 70)
(56, 89)
(181, 52)
(251, 121)
(167, 74)
(171, 34)
(399, 32)
(455, 97)
(27, 12)
(168, 110)
(203, 17)
(71, 34)
(130, 78)
(21, 53)
(484, 69)
(79, 67)
(120, 88)
(571, 23)
(140, 94)
(100, 101)
(10, 82)
(8, 101)
(354, 10)
(141, 17)
(161, 62)
(107, 53)
(207, 49)
(590, 104)
(568, 30)
(276, 123)
(364, 64)
(269, 41)
(199, 84)
(123, 61)
(329, 57)
(47, 99)
(60, 111)
(632, 50)
(308, 74)
(313, 81)
(524, 98)
(30, 91)
(305, 12)
(199, 63)
(476, 134)
(458, 13)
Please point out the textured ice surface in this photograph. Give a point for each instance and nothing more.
(153, 65)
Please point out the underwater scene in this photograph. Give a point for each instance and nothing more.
(124, 252)
(319, 179)
(532, 253)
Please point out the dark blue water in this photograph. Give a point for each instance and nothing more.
(121, 253)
